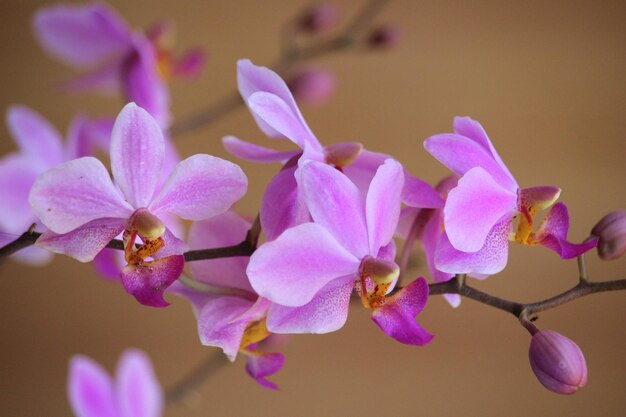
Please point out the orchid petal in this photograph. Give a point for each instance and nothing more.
(396, 318)
(200, 187)
(553, 234)
(254, 153)
(90, 389)
(335, 203)
(35, 136)
(138, 391)
(108, 263)
(17, 175)
(137, 149)
(364, 167)
(84, 242)
(418, 193)
(490, 259)
(33, 256)
(103, 80)
(474, 207)
(539, 198)
(74, 193)
(460, 154)
(148, 281)
(261, 365)
(383, 204)
(82, 36)
(190, 64)
(292, 269)
(275, 112)
(326, 312)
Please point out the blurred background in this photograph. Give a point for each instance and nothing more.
(546, 80)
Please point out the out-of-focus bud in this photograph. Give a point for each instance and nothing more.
(162, 34)
(611, 231)
(190, 65)
(558, 363)
(313, 86)
(319, 18)
(384, 37)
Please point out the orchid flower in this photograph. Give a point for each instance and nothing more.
(276, 113)
(134, 392)
(480, 211)
(84, 209)
(95, 39)
(40, 148)
(311, 269)
(230, 314)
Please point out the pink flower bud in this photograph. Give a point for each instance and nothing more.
(386, 36)
(319, 18)
(313, 86)
(558, 363)
(611, 230)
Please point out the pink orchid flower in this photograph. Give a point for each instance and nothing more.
(134, 392)
(84, 209)
(95, 39)
(311, 269)
(230, 313)
(480, 212)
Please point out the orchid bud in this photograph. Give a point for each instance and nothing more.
(611, 231)
(558, 363)
(313, 85)
(319, 18)
(384, 37)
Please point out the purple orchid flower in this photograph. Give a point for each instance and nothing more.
(135, 391)
(95, 39)
(275, 110)
(84, 209)
(480, 211)
(230, 313)
(40, 148)
(310, 270)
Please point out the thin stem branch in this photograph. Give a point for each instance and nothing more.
(196, 377)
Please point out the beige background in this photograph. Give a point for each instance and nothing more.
(546, 79)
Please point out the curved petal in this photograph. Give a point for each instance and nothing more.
(277, 114)
(418, 193)
(460, 154)
(255, 153)
(148, 281)
(103, 80)
(490, 259)
(262, 365)
(74, 193)
(35, 136)
(326, 312)
(137, 150)
(363, 168)
(138, 391)
(292, 269)
(33, 256)
(82, 36)
(473, 208)
(335, 203)
(200, 187)
(86, 136)
(383, 204)
(90, 389)
(108, 263)
(17, 176)
(396, 318)
(84, 242)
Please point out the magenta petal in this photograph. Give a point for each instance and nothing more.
(35, 136)
(84, 242)
(335, 203)
(460, 154)
(108, 263)
(396, 318)
(254, 153)
(281, 208)
(293, 268)
(82, 36)
(262, 365)
(17, 175)
(326, 312)
(90, 389)
(137, 150)
(190, 64)
(553, 234)
(383, 204)
(148, 281)
(173, 245)
(418, 193)
(490, 259)
(473, 207)
(200, 187)
(138, 390)
(74, 193)
(218, 323)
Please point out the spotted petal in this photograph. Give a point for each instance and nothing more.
(148, 281)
